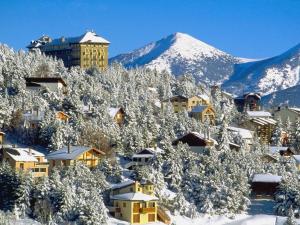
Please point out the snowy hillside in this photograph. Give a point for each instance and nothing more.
(288, 96)
(268, 75)
(181, 53)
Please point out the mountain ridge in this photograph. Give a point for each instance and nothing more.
(180, 53)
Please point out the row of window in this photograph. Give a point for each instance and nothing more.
(38, 170)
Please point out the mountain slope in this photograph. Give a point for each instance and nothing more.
(180, 54)
(289, 96)
(266, 76)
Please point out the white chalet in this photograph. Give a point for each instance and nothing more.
(54, 84)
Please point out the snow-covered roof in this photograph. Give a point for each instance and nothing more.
(297, 158)
(266, 178)
(122, 184)
(203, 96)
(134, 196)
(23, 154)
(199, 108)
(113, 111)
(244, 133)
(295, 109)
(276, 149)
(201, 136)
(264, 121)
(74, 153)
(258, 114)
(89, 36)
(2, 132)
(142, 156)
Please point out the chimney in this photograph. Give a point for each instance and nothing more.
(69, 148)
(30, 151)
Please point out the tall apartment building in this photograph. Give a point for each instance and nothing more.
(86, 51)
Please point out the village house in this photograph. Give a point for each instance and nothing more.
(2, 136)
(142, 157)
(197, 100)
(69, 155)
(118, 115)
(285, 112)
(136, 203)
(197, 142)
(61, 116)
(26, 159)
(181, 103)
(261, 123)
(54, 84)
(204, 113)
(245, 134)
(265, 185)
(86, 51)
(32, 117)
(248, 102)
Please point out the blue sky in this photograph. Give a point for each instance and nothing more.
(245, 28)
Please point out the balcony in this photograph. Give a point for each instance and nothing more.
(147, 210)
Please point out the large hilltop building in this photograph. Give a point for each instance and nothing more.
(86, 51)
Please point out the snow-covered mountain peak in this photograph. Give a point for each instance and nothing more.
(179, 54)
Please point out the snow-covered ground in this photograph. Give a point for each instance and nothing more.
(260, 213)
(242, 219)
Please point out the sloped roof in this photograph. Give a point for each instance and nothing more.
(134, 196)
(258, 114)
(266, 178)
(296, 110)
(23, 154)
(88, 37)
(276, 149)
(113, 111)
(176, 97)
(203, 96)
(75, 152)
(264, 121)
(194, 139)
(122, 184)
(244, 133)
(35, 80)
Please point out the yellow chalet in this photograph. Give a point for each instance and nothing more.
(204, 113)
(26, 159)
(197, 100)
(71, 154)
(181, 103)
(135, 202)
(117, 114)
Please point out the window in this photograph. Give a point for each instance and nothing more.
(124, 204)
(43, 170)
(22, 166)
(131, 189)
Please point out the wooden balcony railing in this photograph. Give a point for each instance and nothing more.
(147, 210)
